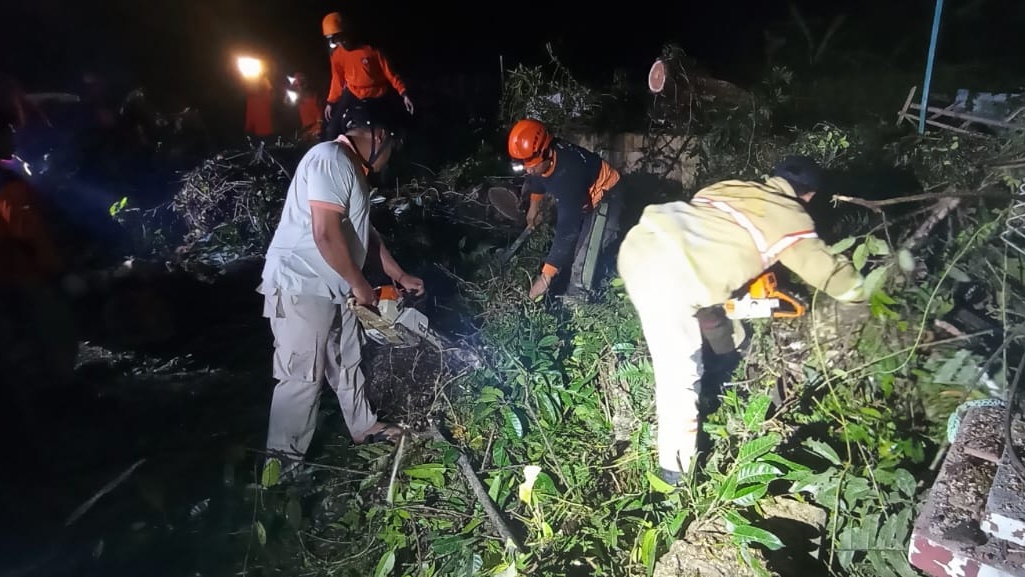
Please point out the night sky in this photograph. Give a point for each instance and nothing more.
(182, 50)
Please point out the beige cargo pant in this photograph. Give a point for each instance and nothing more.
(314, 339)
(666, 293)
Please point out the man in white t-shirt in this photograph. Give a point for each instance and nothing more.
(314, 264)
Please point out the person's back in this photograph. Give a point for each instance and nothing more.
(733, 230)
(326, 173)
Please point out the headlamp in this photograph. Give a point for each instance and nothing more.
(517, 166)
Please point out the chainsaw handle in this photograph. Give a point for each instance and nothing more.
(798, 307)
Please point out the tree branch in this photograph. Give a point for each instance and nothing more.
(877, 205)
(494, 515)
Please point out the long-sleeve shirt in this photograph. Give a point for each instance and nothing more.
(577, 181)
(733, 230)
(365, 72)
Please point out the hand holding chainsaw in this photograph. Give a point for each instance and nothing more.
(411, 283)
(364, 294)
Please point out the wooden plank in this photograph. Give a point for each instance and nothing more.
(968, 117)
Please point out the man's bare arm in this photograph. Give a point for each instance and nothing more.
(332, 244)
(392, 268)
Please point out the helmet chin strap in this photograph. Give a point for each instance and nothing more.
(375, 152)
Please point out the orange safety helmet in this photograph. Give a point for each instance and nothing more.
(332, 24)
(528, 141)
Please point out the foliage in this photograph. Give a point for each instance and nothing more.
(839, 410)
(547, 93)
(231, 203)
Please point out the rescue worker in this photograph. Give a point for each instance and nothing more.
(359, 72)
(307, 103)
(314, 264)
(587, 200)
(27, 251)
(37, 333)
(683, 257)
(260, 107)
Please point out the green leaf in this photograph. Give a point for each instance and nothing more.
(261, 533)
(548, 341)
(877, 246)
(271, 473)
(747, 496)
(754, 414)
(875, 279)
(791, 465)
(757, 473)
(842, 245)
(433, 473)
(658, 484)
(649, 547)
(860, 256)
(755, 448)
(905, 482)
(745, 534)
(385, 564)
(823, 450)
(513, 422)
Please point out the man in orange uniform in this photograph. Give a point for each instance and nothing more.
(359, 72)
(27, 252)
(306, 101)
(260, 108)
(587, 201)
(37, 334)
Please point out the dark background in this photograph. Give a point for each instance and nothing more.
(183, 50)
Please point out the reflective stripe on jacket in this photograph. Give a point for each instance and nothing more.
(733, 230)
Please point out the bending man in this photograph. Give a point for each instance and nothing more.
(682, 257)
(587, 202)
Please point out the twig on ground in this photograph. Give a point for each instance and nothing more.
(84, 507)
(494, 515)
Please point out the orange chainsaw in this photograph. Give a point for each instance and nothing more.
(762, 301)
(391, 322)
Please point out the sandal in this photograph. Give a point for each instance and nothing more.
(388, 433)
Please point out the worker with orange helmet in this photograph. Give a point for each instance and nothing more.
(307, 103)
(358, 72)
(588, 204)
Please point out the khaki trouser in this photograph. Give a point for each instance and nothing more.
(314, 339)
(666, 293)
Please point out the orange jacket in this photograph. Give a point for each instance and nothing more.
(27, 252)
(309, 112)
(259, 113)
(364, 71)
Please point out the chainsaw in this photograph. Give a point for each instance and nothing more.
(762, 301)
(391, 322)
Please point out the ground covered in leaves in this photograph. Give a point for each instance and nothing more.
(819, 444)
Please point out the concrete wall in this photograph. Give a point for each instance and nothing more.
(669, 158)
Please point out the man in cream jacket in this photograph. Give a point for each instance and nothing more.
(682, 257)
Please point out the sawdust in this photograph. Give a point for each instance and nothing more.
(405, 383)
